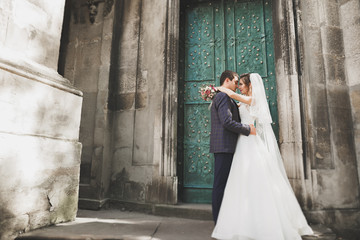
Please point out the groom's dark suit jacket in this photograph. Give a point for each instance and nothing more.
(225, 124)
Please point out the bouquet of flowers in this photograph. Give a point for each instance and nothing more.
(208, 92)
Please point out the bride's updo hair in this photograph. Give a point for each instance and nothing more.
(246, 78)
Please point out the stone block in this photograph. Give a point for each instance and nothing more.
(88, 119)
(89, 33)
(349, 12)
(341, 2)
(42, 179)
(101, 105)
(335, 189)
(338, 97)
(310, 13)
(41, 49)
(293, 165)
(39, 219)
(357, 144)
(104, 72)
(322, 157)
(122, 156)
(85, 176)
(70, 68)
(4, 17)
(142, 78)
(123, 101)
(335, 69)
(289, 102)
(353, 70)
(134, 191)
(332, 40)
(343, 143)
(13, 34)
(99, 136)
(143, 141)
(30, 199)
(30, 21)
(127, 75)
(124, 130)
(319, 95)
(10, 228)
(313, 40)
(141, 100)
(87, 154)
(102, 117)
(30, 107)
(97, 164)
(340, 119)
(39, 158)
(351, 40)
(316, 69)
(87, 72)
(329, 13)
(355, 105)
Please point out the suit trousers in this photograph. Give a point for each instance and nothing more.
(221, 172)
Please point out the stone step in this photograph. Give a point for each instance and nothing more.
(181, 210)
(115, 224)
(321, 232)
(201, 212)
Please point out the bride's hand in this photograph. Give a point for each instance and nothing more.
(221, 89)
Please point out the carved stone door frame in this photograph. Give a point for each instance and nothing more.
(288, 63)
(289, 96)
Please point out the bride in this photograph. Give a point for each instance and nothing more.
(258, 202)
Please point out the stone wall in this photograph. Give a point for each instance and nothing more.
(350, 23)
(139, 98)
(125, 62)
(86, 56)
(32, 29)
(118, 62)
(328, 74)
(39, 124)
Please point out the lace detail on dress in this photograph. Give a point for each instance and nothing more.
(245, 116)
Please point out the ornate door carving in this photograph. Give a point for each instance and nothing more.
(217, 35)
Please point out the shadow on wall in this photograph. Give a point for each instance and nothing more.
(122, 188)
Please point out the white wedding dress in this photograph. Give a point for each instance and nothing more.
(258, 203)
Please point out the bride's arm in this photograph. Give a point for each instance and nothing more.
(234, 95)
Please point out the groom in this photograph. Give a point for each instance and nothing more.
(225, 128)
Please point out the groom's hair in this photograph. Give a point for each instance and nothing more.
(228, 74)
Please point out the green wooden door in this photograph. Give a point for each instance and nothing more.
(217, 35)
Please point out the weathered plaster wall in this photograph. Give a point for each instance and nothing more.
(328, 111)
(39, 124)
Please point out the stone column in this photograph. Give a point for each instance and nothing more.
(39, 124)
(288, 78)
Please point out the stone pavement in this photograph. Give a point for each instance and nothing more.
(116, 224)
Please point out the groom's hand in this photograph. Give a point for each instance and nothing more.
(252, 129)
